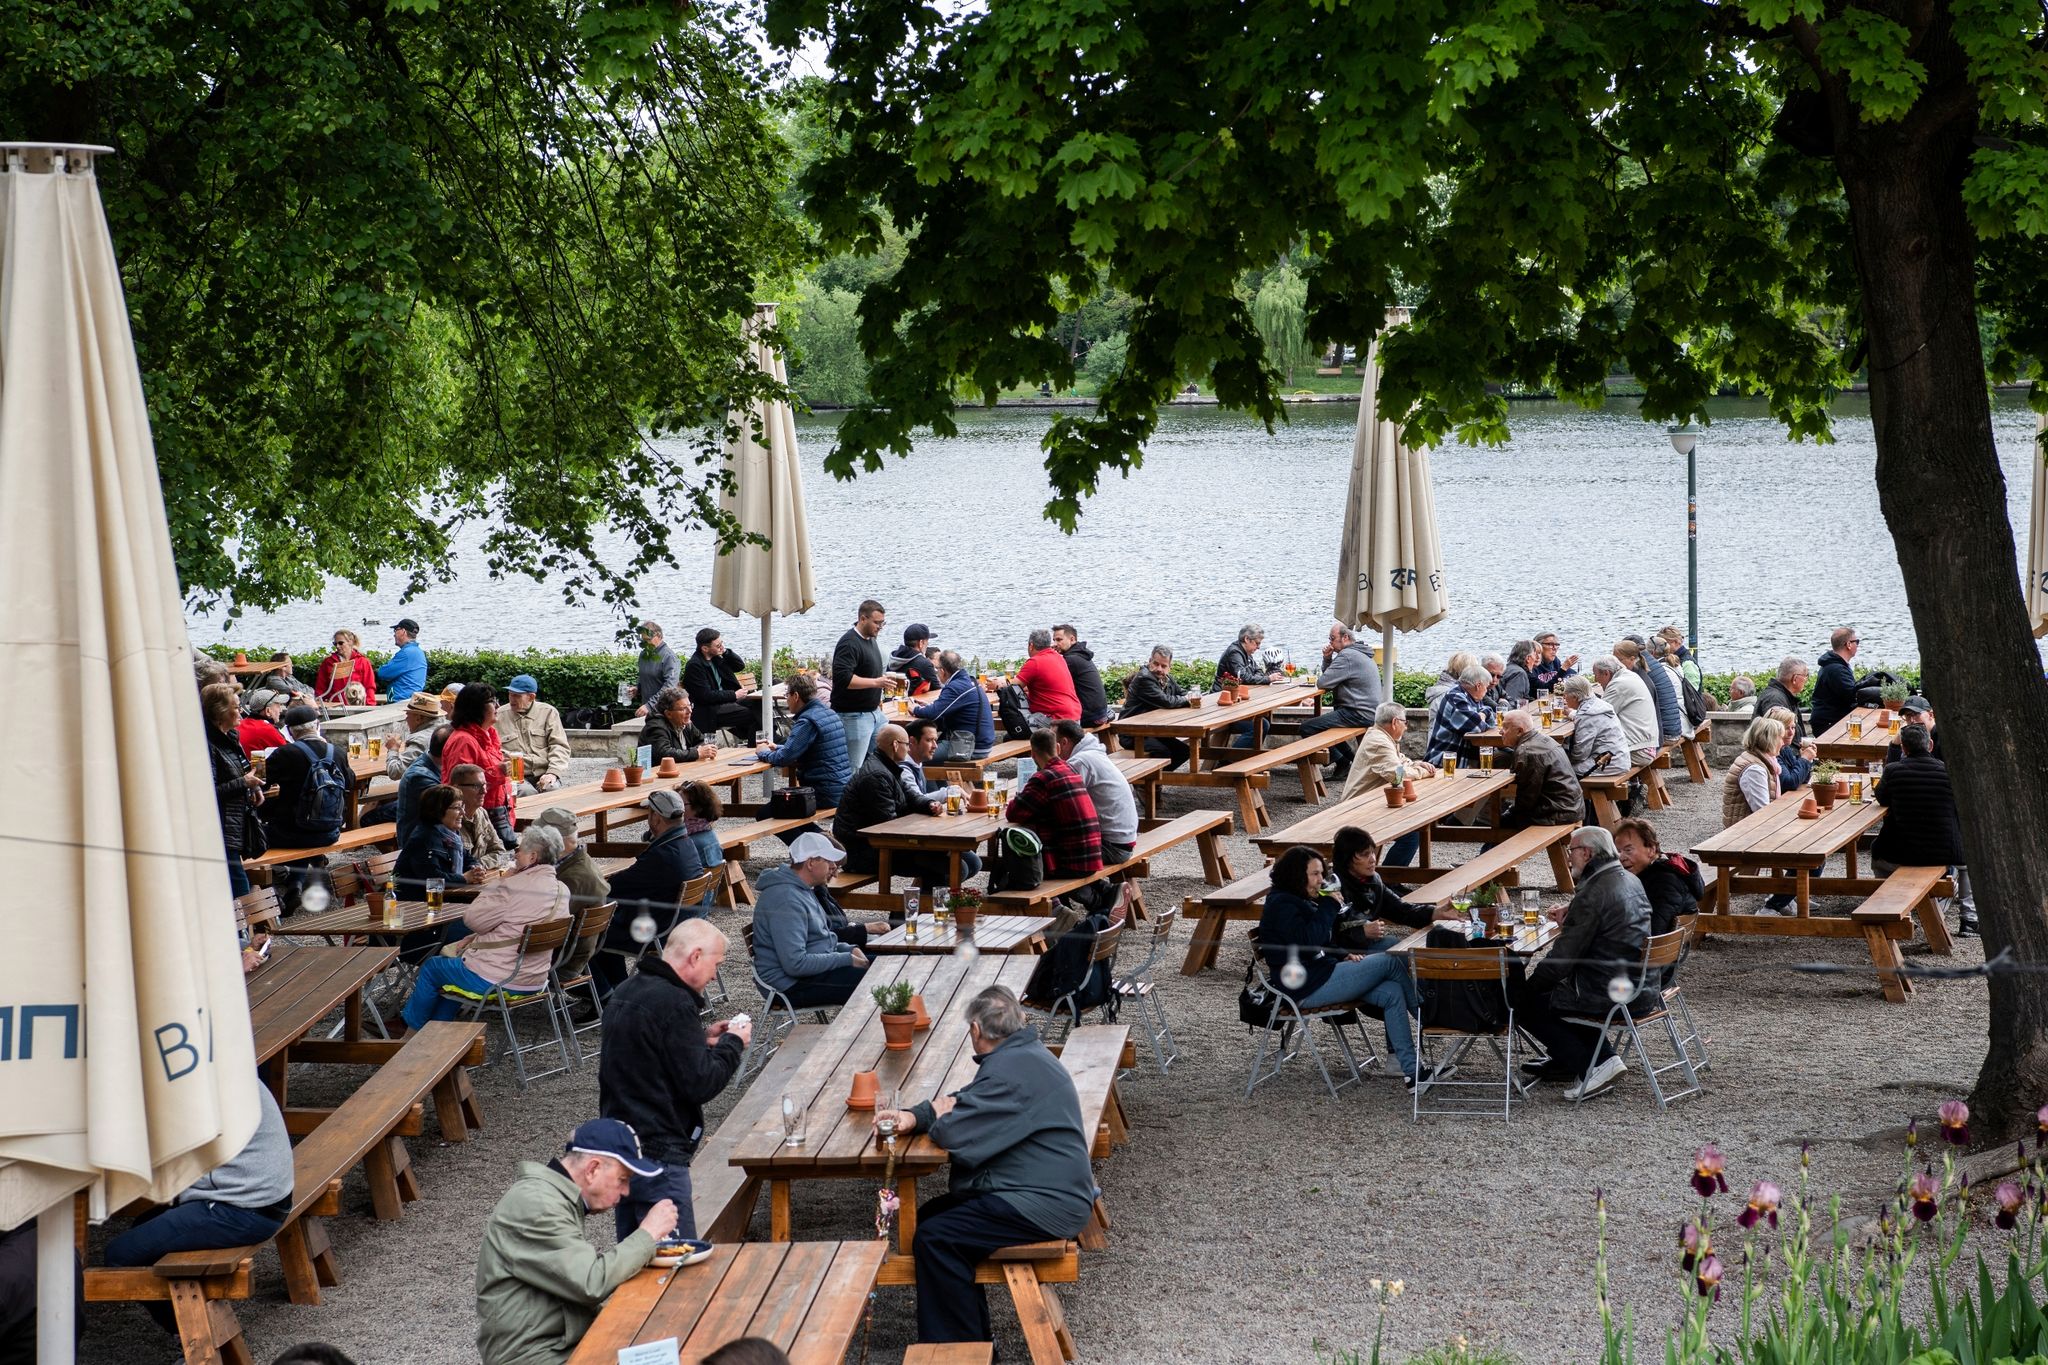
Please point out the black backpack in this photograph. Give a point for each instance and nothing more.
(324, 796)
(1065, 969)
(1013, 709)
(1693, 701)
(1017, 863)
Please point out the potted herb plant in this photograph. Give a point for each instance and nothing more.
(1823, 782)
(1893, 695)
(898, 1020)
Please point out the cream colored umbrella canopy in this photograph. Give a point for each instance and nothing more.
(1390, 570)
(2037, 541)
(125, 1050)
(767, 499)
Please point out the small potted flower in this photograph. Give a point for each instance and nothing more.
(966, 907)
(1893, 695)
(1823, 782)
(899, 1021)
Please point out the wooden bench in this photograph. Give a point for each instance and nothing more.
(1885, 918)
(1306, 756)
(1499, 863)
(1243, 899)
(967, 770)
(365, 1130)
(1607, 793)
(951, 1353)
(1206, 828)
(734, 840)
(723, 1194)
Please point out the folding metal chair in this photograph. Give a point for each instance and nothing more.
(1467, 966)
(589, 928)
(545, 937)
(1623, 1027)
(1675, 999)
(1069, 1004)
(780, 1011)
(1141, 992)
(1288, 1024)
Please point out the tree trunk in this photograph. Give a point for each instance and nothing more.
(1944, 498)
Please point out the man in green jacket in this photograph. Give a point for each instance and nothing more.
(539, 1283)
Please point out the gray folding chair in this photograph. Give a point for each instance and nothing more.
(546, 937)
(1466, 1097)
(1625, 1023)
(1141, 994)
(1289, 1024)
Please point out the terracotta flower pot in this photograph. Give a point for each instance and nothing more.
(1408, 788)
(1842, 789)
(240, 657)
(865, 1088)
(896, 1031)
(668, 768)
(977, 799)
(1824, 796)
(1809, 809)
(1397, 797)
(964, 917)
(921, 1020)
(614, 780)
(633, 773)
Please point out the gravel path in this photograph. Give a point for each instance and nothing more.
(1248, 1231)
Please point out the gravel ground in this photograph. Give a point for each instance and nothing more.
(1249, 1230)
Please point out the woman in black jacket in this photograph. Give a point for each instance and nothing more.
(1672, 881)
(434, 850)
(669, 732)
(236, 790)
(1373, 916)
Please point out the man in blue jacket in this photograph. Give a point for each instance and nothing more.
(816, 746)
(405, 672)
(960, 706)
(1019, 1172)
(1834, 687)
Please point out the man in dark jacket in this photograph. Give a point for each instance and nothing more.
(671, 731)
(712, 678)
(1152, 688)
(661, 1065)
(878, 794)
(1516, 685)
(1546, 789)
(1019, 1172)
(1915, 713)
(1605, 928)
(1241, 659)
(1087, 677)
(1783, 690)
(960, 708)
(1920, 827)
(653, 883)
(913, 662)
(1834, 690)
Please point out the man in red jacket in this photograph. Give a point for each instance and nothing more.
(1048, 684)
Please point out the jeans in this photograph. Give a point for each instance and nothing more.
(711, 854)
(1402, 851)
(238, 876)
(195, 1225)
(860, 727)
(649, 1190)
(1381, 980)
(1573, 1048)
(501, 817)
(955, 1233)
(1337, 717)
(834, 987)
(428, 1004)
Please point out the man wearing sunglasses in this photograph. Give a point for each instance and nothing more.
(1834, 688)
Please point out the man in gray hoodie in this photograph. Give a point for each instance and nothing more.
(1020, 1166)
(795, 947)
(1354, 680)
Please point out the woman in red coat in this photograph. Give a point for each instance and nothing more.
(474, 739)
(347, 664)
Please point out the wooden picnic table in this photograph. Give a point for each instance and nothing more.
(298, 987)
(1526, 943)
(1201, 727)
(1435, 798)
(1868, 747)
(806, 1297)
(590, 800)
(1748, 856)
(1492, 739)
(255, 666)
(357, 921)
(992, 934)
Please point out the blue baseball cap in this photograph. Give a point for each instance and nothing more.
(615, 1139)
(523, 683)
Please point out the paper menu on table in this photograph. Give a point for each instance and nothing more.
(667, 1351)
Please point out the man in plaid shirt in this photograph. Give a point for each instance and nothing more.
(1055, 806)
(1462, 713)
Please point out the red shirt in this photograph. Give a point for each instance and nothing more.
(1049, 685)
(478, 744)
(333, 676)
(258, 733)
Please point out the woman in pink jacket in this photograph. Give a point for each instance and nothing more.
(474, 739)
(489, 958)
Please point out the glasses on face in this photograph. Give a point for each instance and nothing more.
(469, 786)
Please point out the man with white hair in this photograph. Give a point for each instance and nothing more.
(1462, 713)
(1783, 690)
(1353, 681)
(1604, 930)
(662, 1064)
(539, 1282)
(1546, 790)
(1633, 705)
(1380, 763)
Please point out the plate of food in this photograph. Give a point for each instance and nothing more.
(671, 1252)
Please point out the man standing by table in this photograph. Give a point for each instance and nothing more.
(858, 676)
(658, 666)
(531, 729)
(662, 1064)
(1353, 679)
(1019, 1171)
(539, 1283)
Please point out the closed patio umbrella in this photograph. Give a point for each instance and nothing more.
(1390, 571)
(2037, 541)
(767, 499)
(125, 1053)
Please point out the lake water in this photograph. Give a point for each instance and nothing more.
(1578, 525)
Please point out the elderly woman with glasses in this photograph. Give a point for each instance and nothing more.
(347, 664)
(490, 959)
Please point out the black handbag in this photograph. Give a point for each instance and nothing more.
(1018, 863)
(793, 803)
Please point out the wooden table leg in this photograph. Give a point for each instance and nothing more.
(906, 1212)
(882, 873)
(1849, 859)
(1805, 892)
(352, 1017)
(1723, 877)
(953, 878)
(1248, 809)
(778, 1210)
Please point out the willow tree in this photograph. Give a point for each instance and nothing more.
(1765, 194)
(395, 267)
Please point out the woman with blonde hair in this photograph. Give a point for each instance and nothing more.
(1752, 780)
(346, 665)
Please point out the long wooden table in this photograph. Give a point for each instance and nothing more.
(991, 934)
(1201, 727)
(1525, 943)
(589, 800)
(806, 1297)
(298, 987)
(1868, 747)
(1435, 798)
(1747, 857)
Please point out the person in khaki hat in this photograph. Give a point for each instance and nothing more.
(422, 714)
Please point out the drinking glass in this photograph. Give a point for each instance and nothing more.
(1450, 765)
(1532, 913)
(435, 887)
(1486, 759)
(795, 1117)
(1855, 728)
(885, 1116)
(355, 746)
(376, 747)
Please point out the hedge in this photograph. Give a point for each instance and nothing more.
(592, 679)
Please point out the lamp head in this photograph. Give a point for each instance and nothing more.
(1684, 438)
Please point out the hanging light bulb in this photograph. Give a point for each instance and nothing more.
(1620, 989)
(1293, 974)
(315, 897)
(642, 927)
(967, 952)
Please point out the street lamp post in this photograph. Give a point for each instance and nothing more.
(1685, 440)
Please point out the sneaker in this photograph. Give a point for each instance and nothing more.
(1442, 1072)
(1966, 927)
(1604, 1075)
(1782, 904)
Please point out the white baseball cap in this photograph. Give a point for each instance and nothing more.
(815, 845)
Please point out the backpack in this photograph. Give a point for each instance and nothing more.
(323, 797)
(1013, 710)
(1018, 863)
(1692, 701)
(1065, 969)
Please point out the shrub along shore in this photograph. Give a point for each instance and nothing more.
(593, 678)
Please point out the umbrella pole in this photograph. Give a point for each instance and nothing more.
(56, 1308)
(768, 679)
(1387, 654)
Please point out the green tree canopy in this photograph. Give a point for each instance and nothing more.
(394, 268)
(1765, 194)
